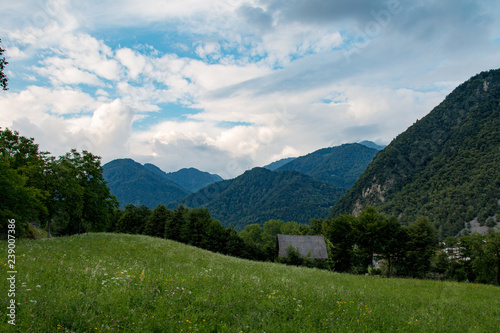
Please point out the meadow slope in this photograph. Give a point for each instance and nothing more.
(128, 283)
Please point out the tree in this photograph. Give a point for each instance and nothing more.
(420, 247)
(174, 227)
(155, 225)
(393, 239)
(97, 201)
(235, 246)
(197, 221)
(317, 226)
(18, 201)
(215, 239)
(339, 232)
(368, 234)
(133, 219)
(3, 77)
(21, 168)
(493, 252)
(65, 199)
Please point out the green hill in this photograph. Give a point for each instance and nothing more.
(275, 165)
(128, 283)
(340, 166)
(259, 195)
(445, 166)
(132, 183)
(189, 178)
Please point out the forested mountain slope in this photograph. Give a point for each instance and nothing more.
(445, 166)
(132, 183)
(189, 178)
(340, 166)
(259, 195)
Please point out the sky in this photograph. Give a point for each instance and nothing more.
(228, 85)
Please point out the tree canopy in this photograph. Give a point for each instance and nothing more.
(67, 194)
(3, 77)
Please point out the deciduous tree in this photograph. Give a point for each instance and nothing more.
(3, 77)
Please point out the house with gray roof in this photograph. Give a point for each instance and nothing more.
(307, 246)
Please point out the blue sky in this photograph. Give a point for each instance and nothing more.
(227, 85)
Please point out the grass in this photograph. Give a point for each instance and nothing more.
(125, 283)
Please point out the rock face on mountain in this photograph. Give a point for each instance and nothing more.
(446, 166)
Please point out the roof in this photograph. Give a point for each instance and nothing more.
(312, 246)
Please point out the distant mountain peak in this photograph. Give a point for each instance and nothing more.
(371, 144)
(132, 182)
(259, 195)
(340, 165)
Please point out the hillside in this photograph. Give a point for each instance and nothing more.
(132, 183)
(340, 166)
(129, 283)
(371, 144)
(275, 165)
(259, 195)
(445, 166)
(189, 178)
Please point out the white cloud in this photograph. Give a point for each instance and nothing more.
(39, 101)
(270, 78)
(105, 132)
(209, 50)
(133, 61)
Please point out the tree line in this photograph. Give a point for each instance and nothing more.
(66, 195)
(354, 243)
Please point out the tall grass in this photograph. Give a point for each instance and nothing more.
(125, 283)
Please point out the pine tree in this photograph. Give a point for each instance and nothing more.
(155, 225)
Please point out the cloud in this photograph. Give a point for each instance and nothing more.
(265, 79)
(134, 62)
(105, 132)
(36, 102)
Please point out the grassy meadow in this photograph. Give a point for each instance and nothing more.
(128, 283)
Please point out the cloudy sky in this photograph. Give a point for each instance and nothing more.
(226, 85)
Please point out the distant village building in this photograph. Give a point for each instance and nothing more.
(455, 253)
(307, 246)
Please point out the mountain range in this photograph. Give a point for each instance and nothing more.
(299, 189)
(340, 166)
(446, 166)
(137, 184)
(259, 195)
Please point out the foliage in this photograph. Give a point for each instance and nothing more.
(65, 195)
(340, 166)
(133, 183)
(260, 195)
(156, 223)
(129, 283)
(420, 247)
(190, 179)
(3, 77)
(445, 166)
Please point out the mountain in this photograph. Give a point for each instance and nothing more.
(275, 165)
(132, 183)
(371, 144)
(259, 195)
(340, 166)
(189, 178)
(446, 166)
